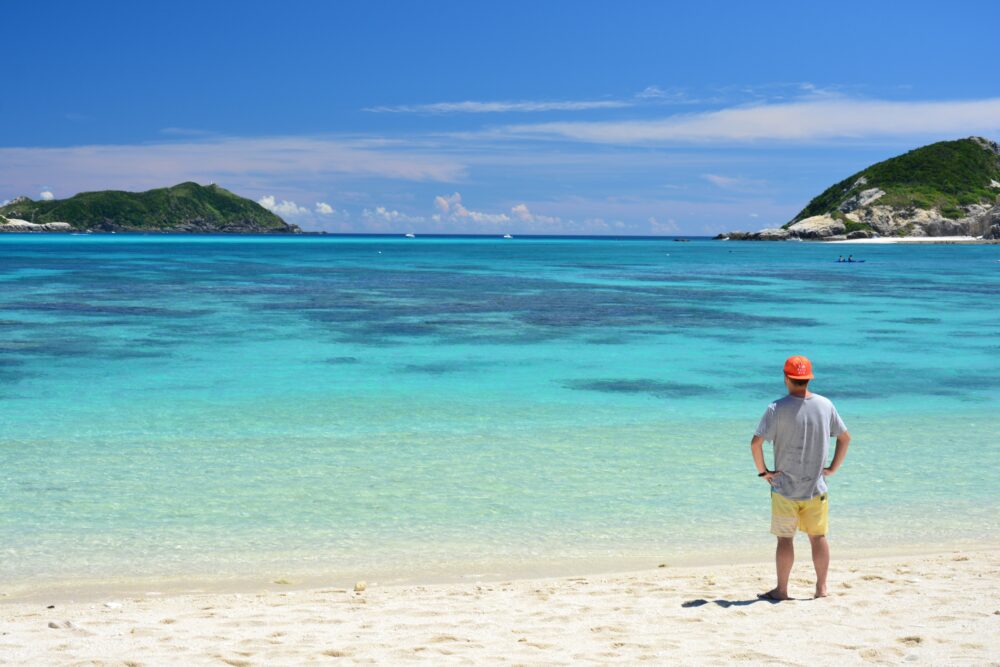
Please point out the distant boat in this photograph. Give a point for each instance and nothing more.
(411, 236)
(507, 236)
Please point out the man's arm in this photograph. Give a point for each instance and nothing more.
(757, 449)
(843, 440)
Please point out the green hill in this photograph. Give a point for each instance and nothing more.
(187, 207)
(947, 177)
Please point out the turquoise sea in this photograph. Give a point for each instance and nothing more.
(322, 406)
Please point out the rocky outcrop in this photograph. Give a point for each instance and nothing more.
(949, 188)
(16, 225)
(985, 221)
(769, 234)
(980, 220)
(817, 227)
(773, 234)
(863, 198)
(889, 221)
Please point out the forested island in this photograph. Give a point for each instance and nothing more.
(184, 208)
(949, 188)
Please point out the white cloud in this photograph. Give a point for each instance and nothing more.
(521, 212)
(500, 107)
(444, 203)
(382, 214)
(651, 92)
(721, 181)
(46, 195)
(799, 121)
(284, 207)
(738, 183)
(450, 208)
(323, 208)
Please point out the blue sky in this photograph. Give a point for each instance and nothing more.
(520, 117)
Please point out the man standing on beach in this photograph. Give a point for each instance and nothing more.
(800, 425)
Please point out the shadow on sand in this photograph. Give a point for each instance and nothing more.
(728, 603)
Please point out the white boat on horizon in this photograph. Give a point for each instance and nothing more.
(507, 236)
(411, 236)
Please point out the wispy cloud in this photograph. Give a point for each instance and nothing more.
(264, 160)
(651, 92)
(470, 106)
(800, 121)
(673, 96)
(323, 208)
(733, 182)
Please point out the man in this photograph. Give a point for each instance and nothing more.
(800, 425)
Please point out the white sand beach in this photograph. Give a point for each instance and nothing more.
(932, 609)
(881, 240)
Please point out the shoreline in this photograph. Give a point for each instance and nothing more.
(937, 609)
(277, 579)
(925, 240)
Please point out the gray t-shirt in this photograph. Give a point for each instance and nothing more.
(800, 429)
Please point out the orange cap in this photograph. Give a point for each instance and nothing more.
(798, 368)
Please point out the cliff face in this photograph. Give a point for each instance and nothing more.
(187, 207)
(951, 188)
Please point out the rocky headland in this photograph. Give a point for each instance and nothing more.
(946, 189)
(184, 208)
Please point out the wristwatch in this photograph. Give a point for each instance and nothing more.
(761, 474)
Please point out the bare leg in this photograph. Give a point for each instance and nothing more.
(784, 557)
(821, 560)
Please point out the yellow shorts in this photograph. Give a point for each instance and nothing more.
(810, 516)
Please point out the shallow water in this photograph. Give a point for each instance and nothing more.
(227, 405)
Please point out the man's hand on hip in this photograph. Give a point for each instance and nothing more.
(770, 475)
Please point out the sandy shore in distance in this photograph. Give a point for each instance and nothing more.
(914, 239)
(940, 609)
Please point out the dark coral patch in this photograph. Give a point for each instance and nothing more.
(656, 388)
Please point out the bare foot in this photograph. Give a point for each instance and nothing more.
(821, 593)
(774, 595)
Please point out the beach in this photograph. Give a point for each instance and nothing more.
(884, 240)
(930, 609)
(503, 438)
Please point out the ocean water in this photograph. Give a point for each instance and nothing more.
(255, 406)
